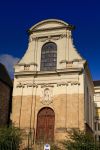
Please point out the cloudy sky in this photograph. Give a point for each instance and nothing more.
(17, 16)
(9, 61)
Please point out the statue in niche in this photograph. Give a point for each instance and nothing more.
(46, 95)
(47, 99)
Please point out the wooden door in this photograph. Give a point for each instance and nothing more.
(45, 125)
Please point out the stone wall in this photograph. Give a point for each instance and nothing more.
(69, 112)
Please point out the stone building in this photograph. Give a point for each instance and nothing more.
(53, 90)
(97, 109)
(5, 96)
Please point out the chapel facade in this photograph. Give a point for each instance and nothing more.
(53, 89)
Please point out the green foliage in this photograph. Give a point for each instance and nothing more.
(54, 147)
(10, 138)
(79, 140)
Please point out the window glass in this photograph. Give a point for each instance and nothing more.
(49, 57)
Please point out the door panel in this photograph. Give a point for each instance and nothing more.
(45, 125)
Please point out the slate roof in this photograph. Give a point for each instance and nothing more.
(96, 83)
(4, 76)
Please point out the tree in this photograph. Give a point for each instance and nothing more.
(79, 140)
(10, 138)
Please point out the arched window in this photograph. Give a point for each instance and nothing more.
(49, 57)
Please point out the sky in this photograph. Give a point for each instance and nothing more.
(17, 16)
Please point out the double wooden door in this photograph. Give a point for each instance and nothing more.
(45, 125)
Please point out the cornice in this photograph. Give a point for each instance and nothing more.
(49, 21)
(45, 73)
(69, 27)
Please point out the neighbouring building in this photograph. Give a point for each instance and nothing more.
(97, 109)
(53, 90)
(5, 96)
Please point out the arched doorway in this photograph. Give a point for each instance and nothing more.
(45, 125)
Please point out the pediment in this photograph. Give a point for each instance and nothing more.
(49, 23)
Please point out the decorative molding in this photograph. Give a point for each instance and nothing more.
(23, 64)
(48, 38)
(46, 85)
(43, 85)
(67, 27)
(56, 37)
(67, 83)
(62, 84)
(23, 84)
(32, 85)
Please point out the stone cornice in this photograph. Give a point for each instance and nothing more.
(45, 73)
(69, 27)
(23, 64)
